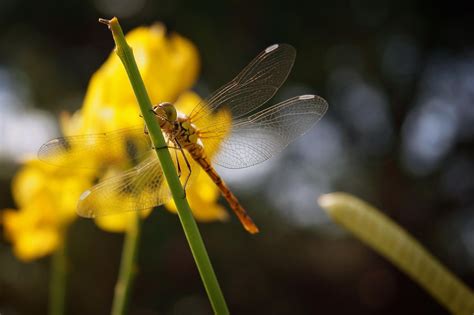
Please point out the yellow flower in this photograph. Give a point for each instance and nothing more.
(168, 65)
(31, 237)
(47, 196)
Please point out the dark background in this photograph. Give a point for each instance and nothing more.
(399, 78)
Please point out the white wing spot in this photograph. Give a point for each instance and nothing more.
(271, 48)
(84, 195)
(306, 97)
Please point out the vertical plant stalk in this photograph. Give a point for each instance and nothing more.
(394, 243)
(184, 211)
(128, 267)
(57, 285)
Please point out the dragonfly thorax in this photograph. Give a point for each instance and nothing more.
(176, 125)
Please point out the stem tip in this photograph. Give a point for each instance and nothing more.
(105, 21)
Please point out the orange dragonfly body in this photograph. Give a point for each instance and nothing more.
(229, 124)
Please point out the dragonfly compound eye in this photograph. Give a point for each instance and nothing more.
(169, 111)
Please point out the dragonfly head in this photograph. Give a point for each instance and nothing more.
(166, 111)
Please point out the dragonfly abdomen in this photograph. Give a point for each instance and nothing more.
(234, 203)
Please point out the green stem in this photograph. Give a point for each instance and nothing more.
(128, 267)
(57, 286)
(184, 211)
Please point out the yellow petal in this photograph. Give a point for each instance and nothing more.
(34, 230)
(202, 196)
(118, 223)
(168, 65)
(186, 102)
(36, 244)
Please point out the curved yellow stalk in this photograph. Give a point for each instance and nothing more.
(394, 243)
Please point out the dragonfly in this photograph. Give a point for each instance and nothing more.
(230, 128)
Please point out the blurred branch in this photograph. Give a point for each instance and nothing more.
(394, 243)
(128, 267)
(57, 285)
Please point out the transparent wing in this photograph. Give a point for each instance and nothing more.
(139, 188)
(253, 86)
(96, 150)
(258, 137)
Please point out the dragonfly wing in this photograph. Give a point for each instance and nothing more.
(258, 137)
(253, 86)
(96, 150)
(139, 188)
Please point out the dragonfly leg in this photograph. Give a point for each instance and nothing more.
(167, 146)
(187, 164)
(177, 163)
(176, 148)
